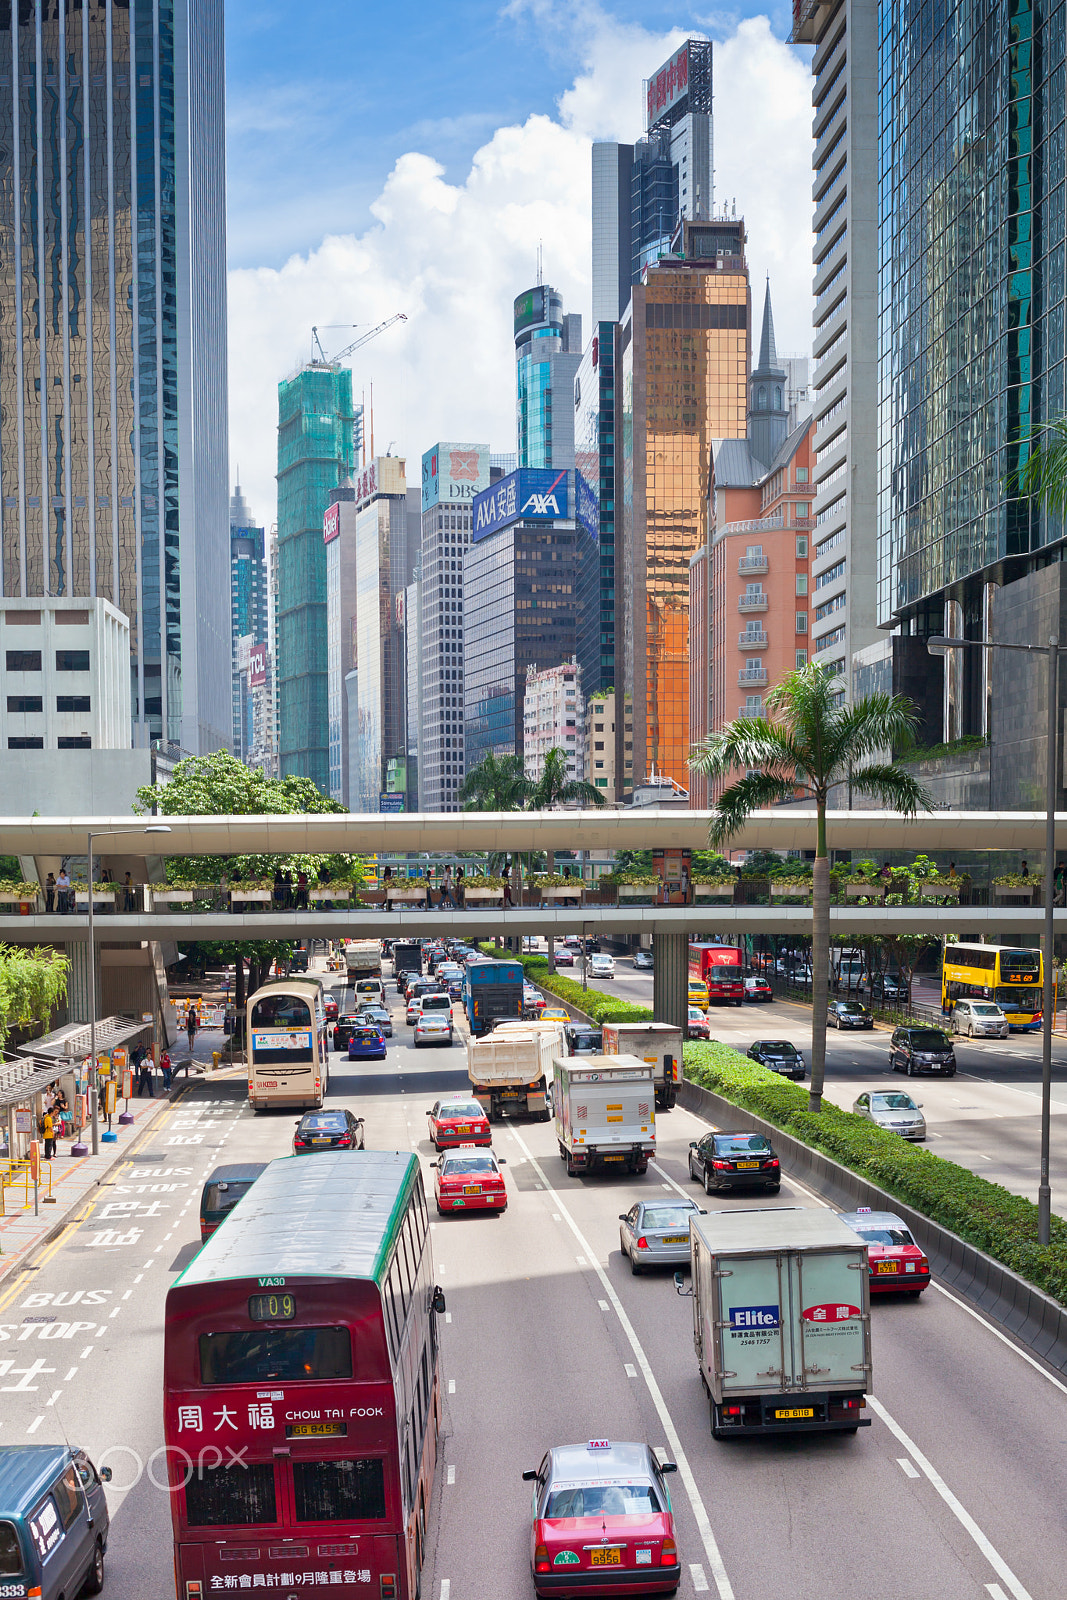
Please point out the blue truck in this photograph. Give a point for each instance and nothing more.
(492, 991)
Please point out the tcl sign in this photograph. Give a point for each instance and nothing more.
(257, 666)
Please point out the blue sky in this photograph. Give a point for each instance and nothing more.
(325, 95)
(409, 157)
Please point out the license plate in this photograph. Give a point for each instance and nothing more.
(675, 1238)
(472, 1188)
(614, 1158)
(321, 1141)
(745, 1166)
(886, 1266)
(316, 1430)
(788, 1416)
(605, 1558)
(465, 1128)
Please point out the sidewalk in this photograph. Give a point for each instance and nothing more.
(75, 1178)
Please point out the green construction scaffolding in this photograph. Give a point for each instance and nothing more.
(317, 450)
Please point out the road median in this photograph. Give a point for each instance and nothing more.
(981, 1237)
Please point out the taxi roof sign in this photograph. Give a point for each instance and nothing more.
(599, 1444)
(861, 1209)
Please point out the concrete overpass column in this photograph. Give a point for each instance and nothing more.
(670, 978)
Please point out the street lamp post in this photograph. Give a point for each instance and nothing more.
(939, 646)
(107, 833)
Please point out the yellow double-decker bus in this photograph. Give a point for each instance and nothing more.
(1011, 978)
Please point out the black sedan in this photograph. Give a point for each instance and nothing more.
(734, 1160)
(848, 1014)
(327, 1130)
(343, 1027)
(779, 1056)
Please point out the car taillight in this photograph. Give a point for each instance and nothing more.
(642, 1243)
(193, 1589)
(731, 1411)
(301, 1141)
(773, 1163)
(541, 1562)
(924, 1265)
(668, 1555)
(721, 1166)
(344, 1141)
(387, 1585)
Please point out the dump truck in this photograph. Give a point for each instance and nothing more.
(655, 1042)
(781, 1320)
(605, 1112)
(363, 958)
(510, 1072)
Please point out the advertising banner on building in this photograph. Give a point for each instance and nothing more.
(390, 802)
(531, 307)
(532, 494)
(331, 524)
(669, 85)
(452, 474)
(257, 666)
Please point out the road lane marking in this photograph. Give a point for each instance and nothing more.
(35, 1424)
(580, 1260)
(448, 1316)
(670, 1183)
(966, 1521)
(86, 1353)
(630, 1370)
(997, 1334)
(907, 1468)
(451, 1385)
(685, 1471)
(696, 1572)
(603, 1305)
(70, 1375)
(996, 1591)
(446, 1588)
(451, 1476)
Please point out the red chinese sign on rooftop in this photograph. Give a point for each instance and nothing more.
(669, 84)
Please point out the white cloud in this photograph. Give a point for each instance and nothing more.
(452, 256)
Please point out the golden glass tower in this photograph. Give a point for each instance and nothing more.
(685, 343)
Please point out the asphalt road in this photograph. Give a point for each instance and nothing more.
(987, 1117)
(957, 1489)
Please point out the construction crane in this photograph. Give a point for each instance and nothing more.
(356, 344)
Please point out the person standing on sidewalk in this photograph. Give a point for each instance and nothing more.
(191, 1025)
(48, 1131)
(165, 1068)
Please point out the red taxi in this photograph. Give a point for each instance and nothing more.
(897, 1265)
(458, 1120)
(470, 1180)
(329, 1006)
(602, 1522)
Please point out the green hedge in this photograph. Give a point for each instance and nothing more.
(985, 1214)
(600, 1007)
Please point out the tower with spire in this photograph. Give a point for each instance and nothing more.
(768, 399)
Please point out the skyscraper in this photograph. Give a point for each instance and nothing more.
(642, 191)
(844, 377)
(317, 450)
(382, 574)
(452, 474)
(548, 350)
(595, 460)
(682, 382)
(113, 422)
(248, 612)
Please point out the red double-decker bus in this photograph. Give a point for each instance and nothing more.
(301, 1393)
(722, 968)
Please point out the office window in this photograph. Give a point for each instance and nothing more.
(802, 583)
(23, 661)
(25, 702)
(753, 705)
(79, 742)
(25, 743)
(73, 702)
(72, 660)
(802, 659)
(753, 664)
(802, 546)
(802, 474)
(802, 622)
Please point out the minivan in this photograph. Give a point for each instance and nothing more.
(224, 1187)
(53, 1522)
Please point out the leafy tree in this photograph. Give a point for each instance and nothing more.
(810, 741)
(220, 785)
(32, 982)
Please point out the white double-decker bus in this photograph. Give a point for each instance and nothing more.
(288, 1060)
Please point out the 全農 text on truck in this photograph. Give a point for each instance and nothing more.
(605, 1112)
(655, 1042)
(510, 1072)
(781, 1320)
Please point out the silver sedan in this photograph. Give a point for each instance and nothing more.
(893, 1110)
(655, 1233)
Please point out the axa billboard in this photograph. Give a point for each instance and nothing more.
(533, 494)
(452, 474)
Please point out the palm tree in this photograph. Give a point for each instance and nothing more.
(497, 783)
(813, 743)
(1044, 478)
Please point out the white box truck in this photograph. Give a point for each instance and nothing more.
(781, 1320)
(510, 1072)
(659, 1044)
(605, 1112)
(363, 963)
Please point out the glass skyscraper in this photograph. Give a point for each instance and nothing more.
(548, 350)
(113, 420)
(317, 451)
(594, 459)
(971, 333)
